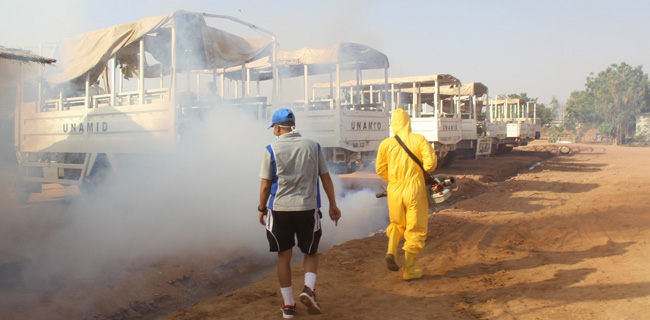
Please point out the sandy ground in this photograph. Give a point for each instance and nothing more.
(564, 238)
(567, 239)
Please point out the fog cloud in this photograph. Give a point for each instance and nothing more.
(196, 199)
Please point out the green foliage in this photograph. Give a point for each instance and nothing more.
(580, 110)
(555, 107)
(607, 128)
(544, 113)
(610, 101)
(522, 95)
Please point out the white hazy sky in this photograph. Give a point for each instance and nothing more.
(543, 48)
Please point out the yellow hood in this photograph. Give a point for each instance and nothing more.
(401, 123)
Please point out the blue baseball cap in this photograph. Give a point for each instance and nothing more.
(282, 115)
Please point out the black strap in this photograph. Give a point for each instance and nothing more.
(401, 143)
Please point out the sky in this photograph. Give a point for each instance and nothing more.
(542, 48)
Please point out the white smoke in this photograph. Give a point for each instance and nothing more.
(361, 215)
(199, 199)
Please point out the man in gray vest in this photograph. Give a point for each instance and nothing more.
(290, 172)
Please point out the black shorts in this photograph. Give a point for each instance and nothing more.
(283, 227)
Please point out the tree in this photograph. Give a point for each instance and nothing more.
(580, 110)
(555, 108)
(621, 92)
(611, 100)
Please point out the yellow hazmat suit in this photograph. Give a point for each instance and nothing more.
(408, 204)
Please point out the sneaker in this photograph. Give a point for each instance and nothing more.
(308, 298)
(288, 311)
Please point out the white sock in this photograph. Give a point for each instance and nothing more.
(287, 295)
(310, 280)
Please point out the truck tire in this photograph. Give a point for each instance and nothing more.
(22, 190)
(441, 162)
(495, 149)
(21, 197)
(95, 183)
(449, 159)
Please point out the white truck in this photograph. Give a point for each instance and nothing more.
(475, 141)
(520, 122)
(125, 90)
(432, 103)
(496, 127)
(324, 88)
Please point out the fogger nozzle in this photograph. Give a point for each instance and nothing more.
(441, 181)
(446, 181)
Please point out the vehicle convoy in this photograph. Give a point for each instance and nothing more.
(126, 90)
(521, 127)
(332, 109)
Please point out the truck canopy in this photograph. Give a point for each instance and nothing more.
(510, 101)
(199, 47)
(466, 89)
(319, 60)
(405, 84)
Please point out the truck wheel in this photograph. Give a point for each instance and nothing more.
(449, 159)
(441, 162)
(495, 149)
(21, 196)
(95, 182)
(22, 190)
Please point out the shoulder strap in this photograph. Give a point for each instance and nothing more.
(401, 143)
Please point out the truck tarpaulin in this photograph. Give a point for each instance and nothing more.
(209, 47)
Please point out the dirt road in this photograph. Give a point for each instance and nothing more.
(565, 238)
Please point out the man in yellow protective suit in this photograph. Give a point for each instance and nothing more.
(408, 203)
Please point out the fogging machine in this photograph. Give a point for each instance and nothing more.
(439, 187)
